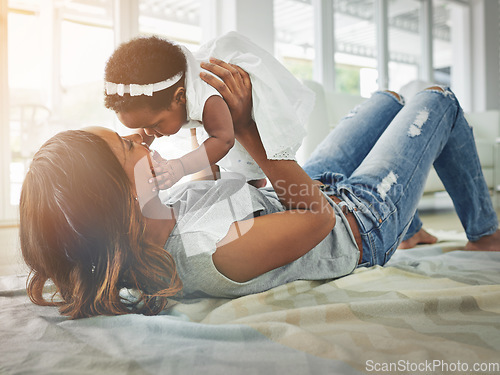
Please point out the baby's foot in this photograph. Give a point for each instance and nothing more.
(486, 243)
(258, 183)
(420, 238)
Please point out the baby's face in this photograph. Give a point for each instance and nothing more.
(155, 123)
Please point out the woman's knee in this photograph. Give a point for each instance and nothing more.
(395, 94)
(435, 88)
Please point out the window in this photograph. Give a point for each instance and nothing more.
(57, 51)
(442, 46)
(177, 20)
(356, 47)
(85, 40)
(81, 75)
(354, 35)
(28, 110)
(405, 47)
(56, 56)
(294, 36)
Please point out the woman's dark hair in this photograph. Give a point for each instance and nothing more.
(81, 227)
(144, 60)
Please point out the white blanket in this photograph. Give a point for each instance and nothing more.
(427, 311)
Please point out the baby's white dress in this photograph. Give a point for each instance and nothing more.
(281, 104)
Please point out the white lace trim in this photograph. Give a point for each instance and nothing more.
(283, 155)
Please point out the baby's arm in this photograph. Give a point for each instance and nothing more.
(218, 123)
(212, 173)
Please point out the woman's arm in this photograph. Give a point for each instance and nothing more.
(293, 186)
(255, 246)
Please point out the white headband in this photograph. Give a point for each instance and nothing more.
(136, 90)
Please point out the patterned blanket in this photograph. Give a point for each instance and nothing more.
(428, 311)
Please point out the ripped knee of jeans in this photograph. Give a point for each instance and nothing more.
(440, 89)
(396, 95)
(435, 88)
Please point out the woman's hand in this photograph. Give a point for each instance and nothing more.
(235, 87)
(295, 189)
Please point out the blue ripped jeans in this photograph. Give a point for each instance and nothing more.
(377, 160)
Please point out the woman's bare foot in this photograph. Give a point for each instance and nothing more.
(420, 238)
(486, 243)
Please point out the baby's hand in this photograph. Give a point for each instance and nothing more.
(173, 172)
(167, 172)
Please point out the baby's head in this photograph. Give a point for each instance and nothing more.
(132, 67)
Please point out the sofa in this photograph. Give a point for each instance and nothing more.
(331, 107)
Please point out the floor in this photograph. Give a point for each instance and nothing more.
(437, 213)
(10, 255)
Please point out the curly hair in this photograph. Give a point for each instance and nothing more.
(144, 60)
(81, 228)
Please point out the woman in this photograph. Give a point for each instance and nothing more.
(82, 225)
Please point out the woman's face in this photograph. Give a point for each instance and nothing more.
(134, 157)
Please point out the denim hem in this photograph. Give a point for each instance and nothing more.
(488, 232)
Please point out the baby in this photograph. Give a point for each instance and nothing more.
(154, 86)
